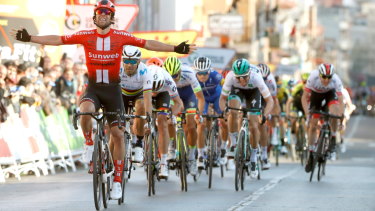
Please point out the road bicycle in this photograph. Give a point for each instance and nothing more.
(243, 149)
(321, 152)
(102, 161)
(213, 143)
(180, 164)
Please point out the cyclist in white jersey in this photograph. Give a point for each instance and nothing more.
(323, 91)
(245, 85)
(136, 85)
(191, 95)
(270, 81)
(164, 90)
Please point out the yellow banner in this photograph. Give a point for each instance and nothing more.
(39, 17)
(169, 37)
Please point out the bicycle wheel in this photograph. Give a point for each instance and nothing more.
(259, 169)
(211, 154)
(239, 159)
(97, 176)
(313, 167)
(320, 170)
(182, 161)
(106, 181)
(149, 166)
(300, 144)
(125, 173)
(277, 147)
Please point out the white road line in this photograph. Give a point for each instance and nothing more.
(354, 127)
(254, 196)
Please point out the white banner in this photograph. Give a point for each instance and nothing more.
(226, 24)
(79, 17)
(220, 57)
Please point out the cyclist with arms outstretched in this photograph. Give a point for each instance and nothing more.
(103, 48)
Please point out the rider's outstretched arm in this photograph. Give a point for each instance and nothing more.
(24, 36)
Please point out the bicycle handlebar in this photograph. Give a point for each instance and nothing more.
(97, 116)
(251, 110)
(326, 114)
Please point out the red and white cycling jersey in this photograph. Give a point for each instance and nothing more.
(103, 52)
(314, 83)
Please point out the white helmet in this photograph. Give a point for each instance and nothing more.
(202, 64)
(326, 69)
(264, 70)
(158, 77)
(131, 52)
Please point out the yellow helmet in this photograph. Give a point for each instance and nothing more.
(173, 65)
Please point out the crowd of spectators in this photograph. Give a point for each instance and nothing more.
(45, 86)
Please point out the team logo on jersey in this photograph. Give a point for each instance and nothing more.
(142, 72)
(174, 88)
(104, 56)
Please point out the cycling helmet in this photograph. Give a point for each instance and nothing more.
(291, 83)
(241, 67)
(155, 61)
(105, 4)
(173, 65)
(305, 76)
(158, 78)
(131, 52)
(326, 69)
(202, 64)
(264, 70)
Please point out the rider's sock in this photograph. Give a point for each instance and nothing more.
(119, 166)
(264, 153)
(253, 157)
(171, 144)
(138, 143)
(224, 144)
(88, 138)
(163, 159)
(192, 152)
(311, 148)
(233, 138)
(200, 152)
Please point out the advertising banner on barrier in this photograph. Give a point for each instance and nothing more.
(220, 57)
(40, 17)
(169, 37)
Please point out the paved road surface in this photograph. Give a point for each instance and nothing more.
(349, 184)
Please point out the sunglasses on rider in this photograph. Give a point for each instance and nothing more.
(244, 77)
(176, 75)
(103, 11)
(130, 61)
(326, 77)
(202, 73)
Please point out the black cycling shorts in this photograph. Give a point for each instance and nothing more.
(107, 96)
(251, 98)
(321, 101)
(129, 101)
(161, 101)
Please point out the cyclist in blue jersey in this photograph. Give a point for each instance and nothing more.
(211, 84)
